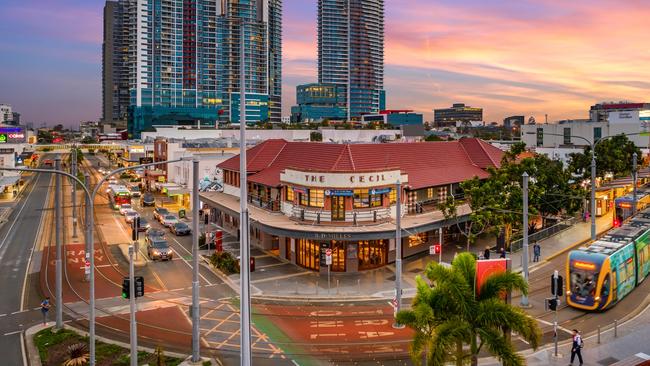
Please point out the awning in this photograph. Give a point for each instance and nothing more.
(9, 180)
(177, 191)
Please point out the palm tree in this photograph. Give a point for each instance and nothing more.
(453, 322)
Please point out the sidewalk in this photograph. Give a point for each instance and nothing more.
(626, 347)
(279, 279)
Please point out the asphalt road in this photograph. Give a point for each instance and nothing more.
(17, 239)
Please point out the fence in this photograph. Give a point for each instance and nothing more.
(516, 245)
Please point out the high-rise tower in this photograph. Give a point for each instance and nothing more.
(351, 51)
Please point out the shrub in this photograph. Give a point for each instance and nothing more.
(225, 262)
(77, 355)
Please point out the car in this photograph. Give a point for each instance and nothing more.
(112, 181)
(147, 199)
(158, 248)
(159, 213)
(130, 215)
(180, 228)
(153, 232)
(124, 207)
(144, 225)
(135, 191)
(169, 220)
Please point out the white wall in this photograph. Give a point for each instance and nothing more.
(251, 134)
(340, 136)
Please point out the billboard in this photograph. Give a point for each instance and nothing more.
(12, 135)
(486, 268)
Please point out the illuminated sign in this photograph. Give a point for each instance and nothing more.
(3, 138)
(584, 265)
(625, 205)
(344, 180)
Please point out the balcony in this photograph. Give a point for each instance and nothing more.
(322, 216)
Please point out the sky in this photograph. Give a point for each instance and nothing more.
(511, 57)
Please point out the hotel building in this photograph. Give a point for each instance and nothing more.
(308, 197)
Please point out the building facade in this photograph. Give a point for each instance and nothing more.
(395, 118)
(181, 61)
(317, 102)
(351, 52)
(306, 198)
(513, 121)
(600, 112)
(6, 114)
(459, 112)
(117, 52)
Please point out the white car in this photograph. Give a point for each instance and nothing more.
(112, 181)
(169, 220)
(125, 207)
(130, 215)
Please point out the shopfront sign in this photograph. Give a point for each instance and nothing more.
(338, 192)
(332, 236)
(380, 190)
(12, 135)
(341, 180)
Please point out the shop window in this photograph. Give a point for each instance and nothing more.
(372, 254)
(375, 200)
(316, 198)
(361, 198)
(289, 194)
(418, 239)
(303, 199)
(393, 196)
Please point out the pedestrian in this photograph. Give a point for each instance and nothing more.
(503, 253)
(45, 308)
(537, 252)
(576, 347)
(486, 253)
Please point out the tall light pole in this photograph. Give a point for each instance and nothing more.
(524, 298)
(634, 178)
(196, 354)
(398, 253)
(59, 249)
(73, 171)
(244, 249)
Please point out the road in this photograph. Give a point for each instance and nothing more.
(18, 238)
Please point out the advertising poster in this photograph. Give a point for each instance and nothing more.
(486, 268)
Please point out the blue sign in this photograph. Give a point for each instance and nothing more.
(380, 190)
(337, 192)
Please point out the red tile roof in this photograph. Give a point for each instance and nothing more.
(426, 163)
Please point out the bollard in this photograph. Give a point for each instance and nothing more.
(337, 286)
(599, 334)
(296, 287)
(615, 328)
(317, 287)
(359, 285)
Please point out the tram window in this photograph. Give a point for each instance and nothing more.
(605, 291)
(583, 283)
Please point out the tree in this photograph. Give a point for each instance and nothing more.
(613, 155)
(88, 140)
(315, 136)
(453, 321)
(433, 137)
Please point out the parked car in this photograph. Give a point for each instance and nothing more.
(135, 191)
(125, 207)
(144, 225)
(159, 213)
(180, 228)
(112, 181)
(153, 232)
(169, 220)
(148, 199)
(158, 248)
(130, 215)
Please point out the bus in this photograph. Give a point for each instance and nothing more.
(602, 274)
(623, 206)
(118, 195)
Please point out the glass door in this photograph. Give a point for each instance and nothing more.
(338, 208)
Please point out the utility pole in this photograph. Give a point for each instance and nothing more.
(634, 178)
(440, 241)
(196, 356)
(398, 253)
(89, 229)
(244, 250)
(556, 277)
(73, 171)
(593, 193)
(524, 298)
(59, 250)
(134, 324)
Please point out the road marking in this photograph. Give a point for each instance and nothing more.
(281, 277)
(186, 262)
(12, 333)
(31, 254)
(558, 327)
(23, 349)
(272, 265)
(1, 315)
(16, 217)
(19, 311)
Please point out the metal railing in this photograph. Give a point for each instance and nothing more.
(517, 244)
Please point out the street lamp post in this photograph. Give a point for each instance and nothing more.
(634, 178)
(524, 298)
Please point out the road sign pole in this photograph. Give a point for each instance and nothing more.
(59, 249)
(440, 240)
(398, 253)
(555, 294)
(195, 263)
(524, 298)
(134, 329)
(89, 229)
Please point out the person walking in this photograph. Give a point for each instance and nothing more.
(486, 253)
(537, 252)
(503, 253)
(576, 347)
(45, 308)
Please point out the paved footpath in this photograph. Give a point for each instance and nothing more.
(275, 277)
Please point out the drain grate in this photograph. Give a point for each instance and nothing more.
(608, 361)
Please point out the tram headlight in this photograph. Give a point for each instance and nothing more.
(568, 293)
(597, 298)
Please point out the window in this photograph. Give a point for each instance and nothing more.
(430, 193)
(361, 198)
(418, 239)
(598, 133)
(540, 137)
(375, 200)
(316, 197)
(393, 196)
(567, 136)
(290, 194)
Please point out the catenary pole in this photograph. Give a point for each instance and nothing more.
(634, 178)
(593, 194)
(59, 250)
(524, 298)
(73, 171)
(244, 250)
(195, 262)
(398, 252)
(133, 323)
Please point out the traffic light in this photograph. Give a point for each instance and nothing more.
(437, 248)
(552, 303)
(125, 288)
(557, 285)
(139, 286)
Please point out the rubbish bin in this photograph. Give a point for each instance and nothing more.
(181, 213)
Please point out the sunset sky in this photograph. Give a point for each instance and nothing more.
(527, 57)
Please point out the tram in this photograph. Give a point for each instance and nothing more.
(602, 274)
(623, 205)
(118, 195)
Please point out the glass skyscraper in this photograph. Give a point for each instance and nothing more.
(351, 51)
(181, 60)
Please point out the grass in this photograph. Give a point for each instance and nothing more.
(55, 343)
